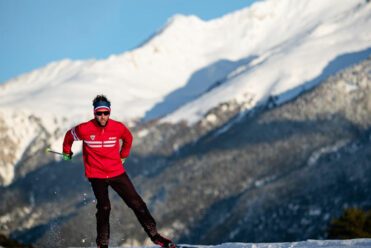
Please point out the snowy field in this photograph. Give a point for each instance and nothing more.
(353, 243)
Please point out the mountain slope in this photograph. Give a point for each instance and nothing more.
(300, 51)
(308, 158)
(279, 173)
(244, 160)
(284, 37)
(273, 49)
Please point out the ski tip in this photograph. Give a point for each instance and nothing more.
(47, 149)
(172, 245)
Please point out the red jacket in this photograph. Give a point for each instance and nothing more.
(101, 147)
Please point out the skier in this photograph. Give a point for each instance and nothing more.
(103, 163)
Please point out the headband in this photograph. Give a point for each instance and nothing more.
(102, 104)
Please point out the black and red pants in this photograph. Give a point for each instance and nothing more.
(124, 187)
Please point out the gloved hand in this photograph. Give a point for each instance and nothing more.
(123, 160)
(67, 156)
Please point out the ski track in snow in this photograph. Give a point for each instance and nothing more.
(352, 243)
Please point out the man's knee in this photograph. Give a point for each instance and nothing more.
(104, 207)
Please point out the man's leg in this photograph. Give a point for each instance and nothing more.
(100, 188)
(124, 187)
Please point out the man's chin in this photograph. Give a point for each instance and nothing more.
(102, 124)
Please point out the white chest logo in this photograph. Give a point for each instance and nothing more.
(92, 137)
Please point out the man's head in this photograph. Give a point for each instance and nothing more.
(102, 109)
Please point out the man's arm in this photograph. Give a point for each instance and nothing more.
(127, 139)
(71, 136)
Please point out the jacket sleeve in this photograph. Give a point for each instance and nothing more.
(127, 139)
(71, 136)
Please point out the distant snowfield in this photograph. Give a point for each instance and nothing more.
(266, 49)
(352, 243)
(300, 50)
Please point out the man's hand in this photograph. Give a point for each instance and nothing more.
(123, 160)
(67, 156)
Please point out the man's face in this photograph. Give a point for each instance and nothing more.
(102, 117)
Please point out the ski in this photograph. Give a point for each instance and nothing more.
(181, 246)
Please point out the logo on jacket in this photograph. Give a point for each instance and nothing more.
(92, 137)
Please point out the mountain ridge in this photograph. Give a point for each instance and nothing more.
(142, 74)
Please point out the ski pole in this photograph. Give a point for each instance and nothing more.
(49, 150)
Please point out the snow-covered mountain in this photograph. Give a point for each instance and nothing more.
(273, 48)
(277, 174)
(266, 49)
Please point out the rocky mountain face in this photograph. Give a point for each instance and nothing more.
(308, 158)
(274, 173)
(24, 137)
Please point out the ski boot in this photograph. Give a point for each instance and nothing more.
(162, 241)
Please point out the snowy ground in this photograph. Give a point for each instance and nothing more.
(353, 243)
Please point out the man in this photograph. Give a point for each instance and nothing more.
(103, 163)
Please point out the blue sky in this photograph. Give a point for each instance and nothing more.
(35, 33)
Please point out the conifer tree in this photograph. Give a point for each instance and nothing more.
(353, 223)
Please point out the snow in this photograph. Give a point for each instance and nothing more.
(265, 49)
(351, 243)
(20, 129)
(326, 150)
(307, 45)
(143, 133)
